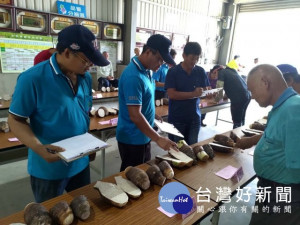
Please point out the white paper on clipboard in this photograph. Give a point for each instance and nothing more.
(79, 146)
(168, 128)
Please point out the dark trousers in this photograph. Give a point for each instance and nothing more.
(103, 82)
(160, 94)
(47, 189)
(133, 155)
(263, 217)
(203, 117)
(238, 112)
(190, 131)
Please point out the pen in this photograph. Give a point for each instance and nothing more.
(50, 151)
(54, 152)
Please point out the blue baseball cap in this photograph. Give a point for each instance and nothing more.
(80, 39)
(287, 68)
(289, 71)
(162, 45)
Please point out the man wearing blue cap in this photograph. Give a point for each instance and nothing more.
(291, 76)
(56, 96)
(136, 104)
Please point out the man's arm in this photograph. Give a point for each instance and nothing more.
(159, 84)
(23, 132)
(248, 142)
(140, 121)
(180, 95)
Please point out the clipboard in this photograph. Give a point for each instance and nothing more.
(212, 91)
(168, 128)
(79, 146)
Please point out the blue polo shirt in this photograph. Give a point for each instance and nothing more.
(45, 96)
(188, 110)
(277, 154)
(160, 75)
(136, 87)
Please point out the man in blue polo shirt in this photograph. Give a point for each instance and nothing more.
(56, 96)
(185, 83)
(136, 104)
(277, 154)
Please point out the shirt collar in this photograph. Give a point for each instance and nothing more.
(289, 92)
(165, 65)
(56, 68)
(54, 64)
(139, 65)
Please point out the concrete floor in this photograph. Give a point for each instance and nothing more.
(15, 183)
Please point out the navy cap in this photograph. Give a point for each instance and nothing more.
(287, 68)
(289, 71)
(80, 39)
(162, 45)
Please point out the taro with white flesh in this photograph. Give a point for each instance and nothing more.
(221, 148)
(128, 187)
(138, 176)
(166, 169)
(249, 133)
(224, 140)
(102, 112)
(62, 213)
(36, 214)
(112, 111)
(155, 175)
(157, 102)
(234, 137)
(93, 111)
(200, 153)
(186, 149)
(182, 157)
(81, 207)
(112, 193)
(174, 162)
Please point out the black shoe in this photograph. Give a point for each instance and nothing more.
(202, 124)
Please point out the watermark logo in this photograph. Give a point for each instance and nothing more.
(175, 198)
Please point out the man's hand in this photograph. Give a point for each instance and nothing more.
(198, 92)
(247, 142)
(48, 152)
(110, 77)
(166, 144)
(210, 95)
(158, 118)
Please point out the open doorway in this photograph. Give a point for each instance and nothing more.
(271, 36)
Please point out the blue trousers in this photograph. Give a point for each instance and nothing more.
(190, 131)
(47, 189)
(103, 82)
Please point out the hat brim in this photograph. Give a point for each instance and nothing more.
(98, 59)
(167, 58)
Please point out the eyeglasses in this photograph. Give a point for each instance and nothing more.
(84, 61)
